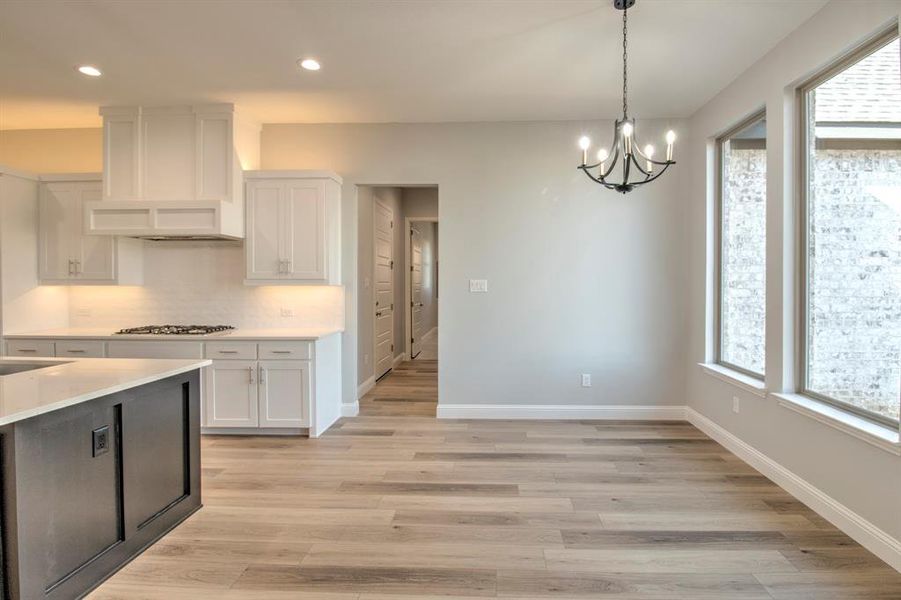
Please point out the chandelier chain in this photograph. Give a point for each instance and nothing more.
(625, 65)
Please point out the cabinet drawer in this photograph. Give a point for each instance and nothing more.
(155, 350)
(231, 350)
(30, 348)
(286, 350)
(81, 348)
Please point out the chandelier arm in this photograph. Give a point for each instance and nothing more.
(613, 161)
(637, 148)
(661, 172)
(607, 185)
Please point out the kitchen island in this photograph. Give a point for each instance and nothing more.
(100, 458)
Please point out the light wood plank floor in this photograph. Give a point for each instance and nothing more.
(394, 505)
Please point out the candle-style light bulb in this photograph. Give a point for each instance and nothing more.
(649, 154)
(603, 155)
(670, 140)
(627, 137)
(584, 144)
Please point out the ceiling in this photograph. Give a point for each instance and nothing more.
(382, 61)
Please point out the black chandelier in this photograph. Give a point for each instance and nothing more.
(625, 146)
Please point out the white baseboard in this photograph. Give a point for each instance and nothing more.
(399, 359)
(350, 410)
(365, 387)
(254, 431)
(559, 412)
(864, 532)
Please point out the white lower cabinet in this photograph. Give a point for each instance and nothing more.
(267, 386)
(270, 393)
(284, 393)
(231, 391)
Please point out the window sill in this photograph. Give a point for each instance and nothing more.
(745, 382)
(872, 433)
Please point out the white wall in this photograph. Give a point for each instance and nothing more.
(581, 280)
(202, 282)
(862, 477)
(24, 305)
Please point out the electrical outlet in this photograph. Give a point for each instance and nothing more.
(736, 404)
(586, 380)
(287, 312)
(478, 285)
(100, 441)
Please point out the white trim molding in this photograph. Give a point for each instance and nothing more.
(399, 359)
(560, 412)
(365, 387)
(745, 382)
(866, 533)
(350, 410)
(876, 435)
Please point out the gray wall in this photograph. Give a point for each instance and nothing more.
(860, 476)
(581, 280)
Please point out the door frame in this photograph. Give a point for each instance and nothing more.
(408, 283)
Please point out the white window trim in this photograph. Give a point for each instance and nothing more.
(746, 382)
(873, 433)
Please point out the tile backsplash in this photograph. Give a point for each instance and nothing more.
(203, 282)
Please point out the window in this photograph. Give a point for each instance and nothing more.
(741, 244)
(851, 233)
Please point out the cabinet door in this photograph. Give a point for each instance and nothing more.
(95, 254)
(304, 237)
(58, 207)
(168, 154)
(231, 394)
(263, 226)
(285, 393)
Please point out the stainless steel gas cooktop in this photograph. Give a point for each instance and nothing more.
(174, 330)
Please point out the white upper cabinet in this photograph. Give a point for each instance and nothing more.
(173, 171)
(293, 228)
(65, 254)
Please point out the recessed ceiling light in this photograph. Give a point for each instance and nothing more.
(310, 64)
(89, 70)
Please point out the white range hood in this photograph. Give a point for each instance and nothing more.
(173, 172)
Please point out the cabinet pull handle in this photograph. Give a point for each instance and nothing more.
(250, 371)
(27, 350)
(71, 267)
(281, 352)
(78, 267)
(262, 376)
(75, 351)
(228, 352)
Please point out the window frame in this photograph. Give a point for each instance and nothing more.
(756, 116)
(872, 45)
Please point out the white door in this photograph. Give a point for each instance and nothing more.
(57, 228)
(415, 291)
(94, 254)
(304, 244)
(231, 394)
(264, 260)
(383, 279)
(285, 393)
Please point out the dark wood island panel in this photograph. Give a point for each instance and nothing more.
(87, 488)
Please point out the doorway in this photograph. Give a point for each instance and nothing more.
(421, 308)
(397, 301)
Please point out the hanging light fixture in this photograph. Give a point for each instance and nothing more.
(638, 165)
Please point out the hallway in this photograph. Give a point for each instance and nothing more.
(410, 389)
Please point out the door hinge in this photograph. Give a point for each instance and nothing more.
(412, 340)
(392, 224)
(412, 304)
(392, 306)
(392, 347)
(392, 265)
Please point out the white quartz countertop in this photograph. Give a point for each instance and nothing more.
(294, 333)
(73, 381)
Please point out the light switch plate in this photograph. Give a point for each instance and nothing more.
(478, 285)
(586, 380)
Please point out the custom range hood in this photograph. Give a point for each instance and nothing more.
(173, 173)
